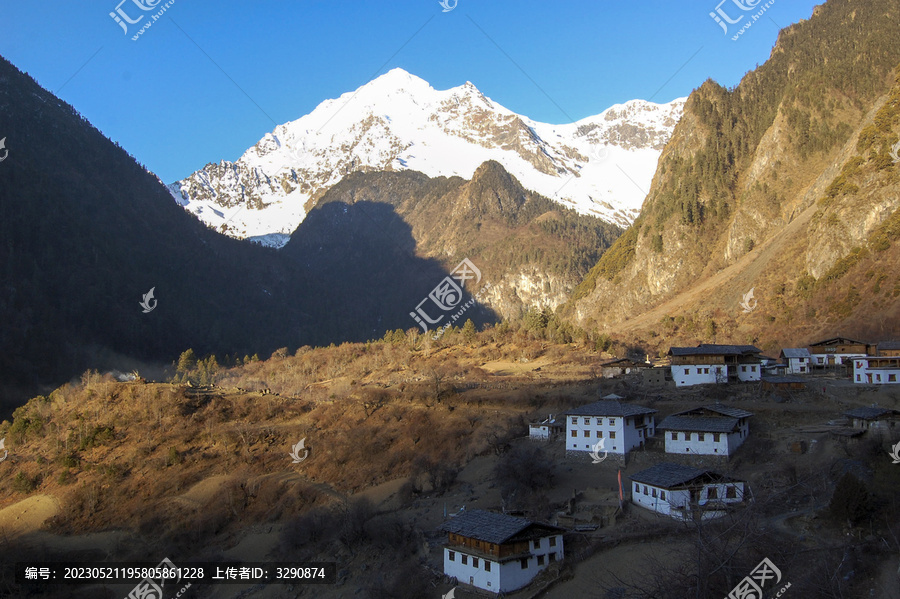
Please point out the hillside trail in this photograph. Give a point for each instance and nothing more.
(738, 276)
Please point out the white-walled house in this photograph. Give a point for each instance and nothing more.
(623, 426)
(714, 429)
(879, 421)
(497, 552)
(876, 370)
(544, 430)
(709, 364)
(835, 351)
(797, 360)
(686, 493)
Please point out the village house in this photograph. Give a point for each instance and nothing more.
(783, 384)
(623, 426)
(834, 352)
(876, 370)
(621, 367)
(710, 364)
(889, 349)
(497, 552)
(686, 493)
(796, 360)
(544, 430)
(708, 430)
(874, 419)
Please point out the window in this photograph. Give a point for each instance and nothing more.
(820, 360)
(699, 371)
(587, 420)
(536, 544)
(637, 488)
(574, 433)
(743, 369)
(803, 369)
(719, 370)
(524, 562)
(612, 421)
(753, 369)
(487, 566)
(599, 434)
(645, 490)
(654, 493)
(717, 437)
(640, 432)
(465, 559)
(701, 436)
(599, 421)
(687, 370)
(687, 436)
(553, 541)
(730, 492)
(451, 555)
(712, 493)
(540, 560)
(662, 495)
(574, 420)
(706, 371)
(474, 562)
(858, 379)
(587, 433)
(552, 557)
(878, 377)
(674, 436)
(892, 378)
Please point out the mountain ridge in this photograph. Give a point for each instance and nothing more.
(399, 122)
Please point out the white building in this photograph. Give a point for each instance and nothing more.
(499, 553)
(880, 421)
(796, 360)
(876, 370)
(709, 364)
(686, 493)
(708, 430)
(544, 430)
(622, 426)
(837, 351)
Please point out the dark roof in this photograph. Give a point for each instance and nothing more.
(667, 475)
(870, 413)
(706, 349)
(626, 361)
(610, 408)
(837, 341)
(489, 527)
(889, 345)
(723, 409)
(777, 380)
(795, 352)
(715, 424)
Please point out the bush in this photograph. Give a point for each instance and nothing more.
(23, 483)
(851, 501)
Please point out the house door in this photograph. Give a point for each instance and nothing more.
(869, 376)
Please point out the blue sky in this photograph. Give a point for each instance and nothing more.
(209, 79)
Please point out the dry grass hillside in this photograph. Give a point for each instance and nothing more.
(398, 433)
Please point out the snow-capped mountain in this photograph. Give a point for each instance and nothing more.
(601, 165)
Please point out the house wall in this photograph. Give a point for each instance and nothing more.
(748, 372)
(695, 374)
(587, 434)
(821, 359)
(468, 573)
(539, 432)
(693, 444)
(797, 366)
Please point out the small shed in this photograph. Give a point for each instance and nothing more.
(783, 383)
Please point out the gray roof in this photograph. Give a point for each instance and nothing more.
(705, 349)
(610, 408)
(795, 352)
(489, 527)
(889, 345)
(837, 341)
(698, 424)
(718, 408)
(667, 475)
(870, 413)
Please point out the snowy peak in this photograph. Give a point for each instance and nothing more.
(600, 165)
